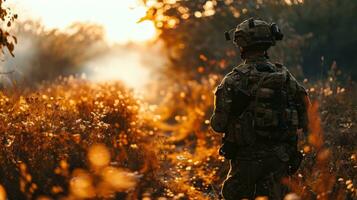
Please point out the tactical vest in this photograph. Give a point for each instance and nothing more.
(271, 115)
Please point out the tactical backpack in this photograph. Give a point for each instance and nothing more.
(271, 115)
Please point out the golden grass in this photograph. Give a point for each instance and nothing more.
(73, 139)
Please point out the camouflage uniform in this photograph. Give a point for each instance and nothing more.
(259, 106)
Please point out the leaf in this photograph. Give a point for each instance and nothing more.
(11, 47)
(15, 39)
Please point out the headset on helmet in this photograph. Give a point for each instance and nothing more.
(276, 32)
(255, 34)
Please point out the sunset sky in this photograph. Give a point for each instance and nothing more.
(119, 18)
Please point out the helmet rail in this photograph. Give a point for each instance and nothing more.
(255, 34)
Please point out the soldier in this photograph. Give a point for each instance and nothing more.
(259, 107)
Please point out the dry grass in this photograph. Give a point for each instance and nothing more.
(73, 139)
(45, 135)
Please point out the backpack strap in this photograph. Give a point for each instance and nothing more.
(243, 70)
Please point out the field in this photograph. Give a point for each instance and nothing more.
(64, 136)
(73, 139)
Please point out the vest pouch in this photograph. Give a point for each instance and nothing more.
(265, 93)
(274, 80)
(281, 153)
(265, 118)
(247, 134)
(292, 86)
(294, 118)
(234, 134)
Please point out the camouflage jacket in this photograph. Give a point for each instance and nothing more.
(231, 100)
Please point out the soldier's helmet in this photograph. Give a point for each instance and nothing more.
(255, 34)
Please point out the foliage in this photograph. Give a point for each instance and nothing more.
(45, 135)
(192, 167)
(6, 39)
(193, 32)
(333, 34)
(328, 170)
(58, 52)
(74, 139)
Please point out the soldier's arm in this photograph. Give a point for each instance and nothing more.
(303, 104)
(222, 106)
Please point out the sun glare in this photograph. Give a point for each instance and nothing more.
(119, 18)
(146, 31)
(120, 22)
(125, 65)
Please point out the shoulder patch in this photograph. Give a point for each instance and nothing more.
(232, 77)
(243, 69)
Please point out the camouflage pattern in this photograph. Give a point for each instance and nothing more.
(256, 34)
(259, 106)
(250, 178)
